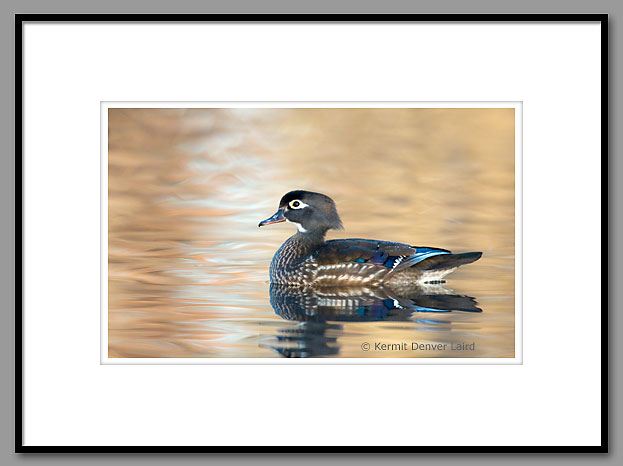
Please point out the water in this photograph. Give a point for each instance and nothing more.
(188, 266)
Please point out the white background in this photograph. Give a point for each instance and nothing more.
(552, 399)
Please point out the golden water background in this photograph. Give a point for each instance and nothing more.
(188, 266)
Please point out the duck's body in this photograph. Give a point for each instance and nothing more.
(344, 262)
(306, 259)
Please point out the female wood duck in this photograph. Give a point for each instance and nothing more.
(306, 259)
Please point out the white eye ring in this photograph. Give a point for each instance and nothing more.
(296, 204)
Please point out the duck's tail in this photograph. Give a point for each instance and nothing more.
(436, 267)
(448, 261)
(433, 264)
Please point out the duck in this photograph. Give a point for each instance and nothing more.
(308, 259)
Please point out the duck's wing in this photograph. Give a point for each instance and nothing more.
(381, 259)
(350, 262)
(387, 254)
(368, 260)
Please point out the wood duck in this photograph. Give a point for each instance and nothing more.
(306, 259)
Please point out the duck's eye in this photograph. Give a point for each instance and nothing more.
(295, 204)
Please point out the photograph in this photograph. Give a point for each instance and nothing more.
(280, 231)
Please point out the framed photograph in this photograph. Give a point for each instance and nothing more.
(237, 210)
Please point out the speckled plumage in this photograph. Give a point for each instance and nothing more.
(306, 259)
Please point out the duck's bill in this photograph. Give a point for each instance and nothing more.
(277, 218)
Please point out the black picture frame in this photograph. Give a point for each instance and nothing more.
(21, 19)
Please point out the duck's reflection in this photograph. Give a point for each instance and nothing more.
(318, 311)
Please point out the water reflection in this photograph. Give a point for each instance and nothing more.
(318, 309)
(306, 340)
(361, 304)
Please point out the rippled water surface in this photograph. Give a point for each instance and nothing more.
(188, 266)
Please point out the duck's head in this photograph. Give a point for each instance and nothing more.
(310, 212)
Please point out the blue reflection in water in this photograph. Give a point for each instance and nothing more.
(318, 310)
